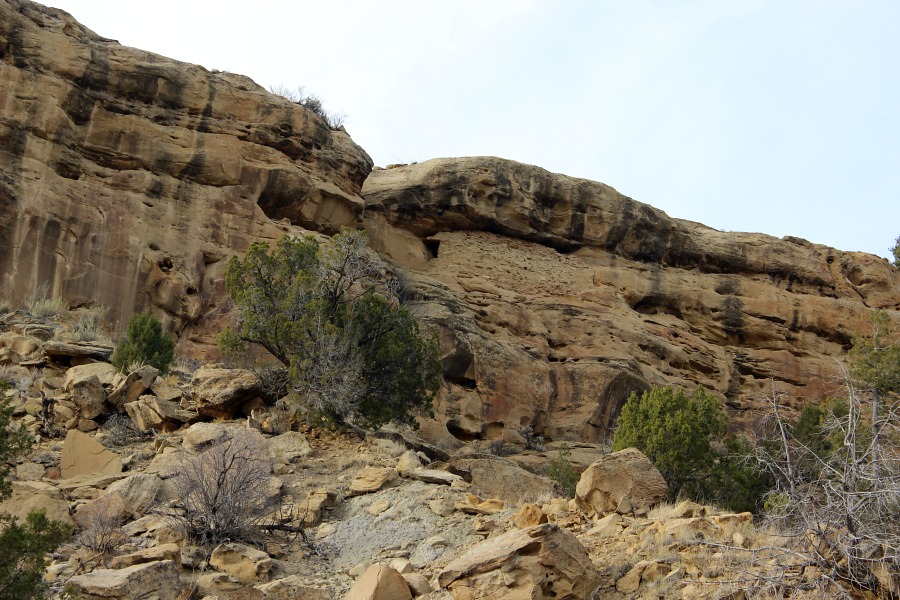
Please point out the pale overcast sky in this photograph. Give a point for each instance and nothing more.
(775, 116)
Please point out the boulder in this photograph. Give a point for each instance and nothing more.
(623, 478)
(219, 393)
(149, 412)
(157, 580)
(380, 582)
(310, 510)
(289, 446)
(529, 515)
(497, 477)
(538, 562)
(89, 396)
(371, 479)
(155, 553)
(133, 386)
(58, 349)
(140, 490)
(242, 562)
(433, 476)
(201, 436)
(292, 588)
(82, 455)
(35, 495)
(103, 371)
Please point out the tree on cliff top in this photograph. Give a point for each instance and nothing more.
(350, 351)
(896, 252)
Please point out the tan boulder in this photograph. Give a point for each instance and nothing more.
(219, 392)
(309, 511)
(289, 446)
(133, 385)
(23, 345)
(103, 371)
(149, 412)
(371, 479)
(29, 471)
(292, 588)
(82, 455)
(529, 515)
(537, 562)
(35, 495)
(144, 581)
(154, 553)
(140, 490)
(497, 477)
(379, 582)
(242, 562)
(89, 396)
(56, 349)
(626, 476)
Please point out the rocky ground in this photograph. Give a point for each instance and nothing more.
(385, 515)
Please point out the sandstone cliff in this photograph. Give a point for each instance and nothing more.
(558, 297)
(128, 179)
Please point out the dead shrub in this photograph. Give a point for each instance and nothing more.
(223, 491)
(101, 527)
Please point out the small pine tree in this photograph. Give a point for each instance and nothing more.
(562, 471)
(24, 545)
(145, 343)
(681, 435)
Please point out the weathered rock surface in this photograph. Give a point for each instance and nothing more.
(153, 580)
(128, 178)
(379, 582)
(242, 562)
(557, 297)
(35, 495)
(220, 392)
(537, 562)
(82, 455)
(624, 481)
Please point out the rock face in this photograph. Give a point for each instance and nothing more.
(556, 297)
(128, 179)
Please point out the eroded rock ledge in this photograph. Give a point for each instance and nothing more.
(126, 177)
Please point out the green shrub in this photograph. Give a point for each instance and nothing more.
(352, 354)
(40, 305)
(24, 545)
(683, 437)
(562, 471)
(145, 343)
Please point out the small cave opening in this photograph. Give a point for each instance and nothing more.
(461, 433)
(166, 264)
(432, 245)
